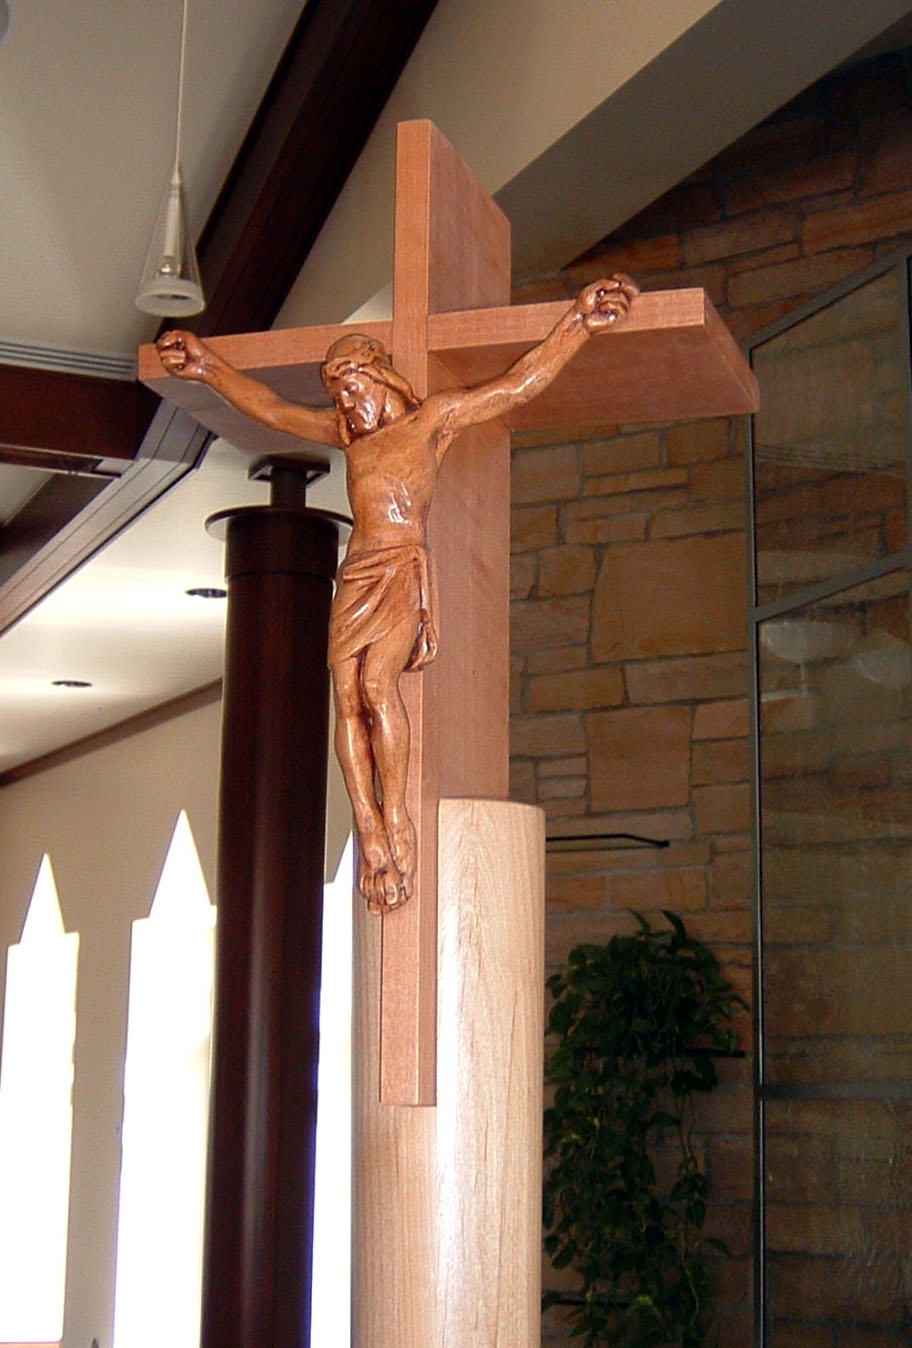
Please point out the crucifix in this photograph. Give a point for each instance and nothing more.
(453, 328)
(383, 621)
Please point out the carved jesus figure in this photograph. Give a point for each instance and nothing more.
(383, 619)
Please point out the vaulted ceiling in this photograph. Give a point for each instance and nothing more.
(85, 450)
(79, 430)
(574, 115)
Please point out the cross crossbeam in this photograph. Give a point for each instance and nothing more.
(673, 359)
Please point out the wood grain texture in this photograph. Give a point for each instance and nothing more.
(72, 415)
(672, 359)
(448, 1199)
(288, 360)
(452, 245)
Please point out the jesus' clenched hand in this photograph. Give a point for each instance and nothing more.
(383, 618)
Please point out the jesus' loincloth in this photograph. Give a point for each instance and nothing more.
(374, 591)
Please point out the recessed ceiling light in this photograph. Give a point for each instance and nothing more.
(206, 592)
(71, 683)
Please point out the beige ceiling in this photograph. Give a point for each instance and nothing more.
(87, 120)
(574, 114)
(87, 125)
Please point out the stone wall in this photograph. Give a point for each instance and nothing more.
(629, 578)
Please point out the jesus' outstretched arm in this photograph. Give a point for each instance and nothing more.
(596, 308)
(185, 356)
(382, 620)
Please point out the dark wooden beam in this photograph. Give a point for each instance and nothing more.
(90, 434)
(71, 415)
(337, 73)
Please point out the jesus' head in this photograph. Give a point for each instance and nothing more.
(359, 375)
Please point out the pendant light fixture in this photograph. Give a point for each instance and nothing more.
(170, 284)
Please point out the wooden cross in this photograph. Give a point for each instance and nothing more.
(453, 325)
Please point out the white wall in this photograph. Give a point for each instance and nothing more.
(106, 820)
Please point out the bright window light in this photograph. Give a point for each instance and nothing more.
(166, 1099)
(36, 1116)
(331, 1296)
(166, 1091)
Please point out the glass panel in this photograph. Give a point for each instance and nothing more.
(836, 856)
(838, 1223)
(836, 838)
(830, 440)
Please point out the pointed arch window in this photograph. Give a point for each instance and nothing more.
(36, 1119)
(166, 1097)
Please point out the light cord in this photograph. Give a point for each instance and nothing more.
(180, 90)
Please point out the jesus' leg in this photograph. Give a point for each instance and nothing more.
(383, 665)
(378, 878)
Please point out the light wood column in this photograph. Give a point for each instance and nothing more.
(447, 1236)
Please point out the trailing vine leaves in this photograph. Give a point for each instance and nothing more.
(636, 1025)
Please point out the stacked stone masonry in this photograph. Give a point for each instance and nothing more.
(629, 654)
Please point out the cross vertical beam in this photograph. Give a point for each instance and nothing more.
(452, 252)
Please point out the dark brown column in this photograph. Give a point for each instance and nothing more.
(280, 564)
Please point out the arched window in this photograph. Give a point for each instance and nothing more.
(36, 1118)
(166, 1097)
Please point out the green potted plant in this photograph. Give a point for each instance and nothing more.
(636, 1027)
